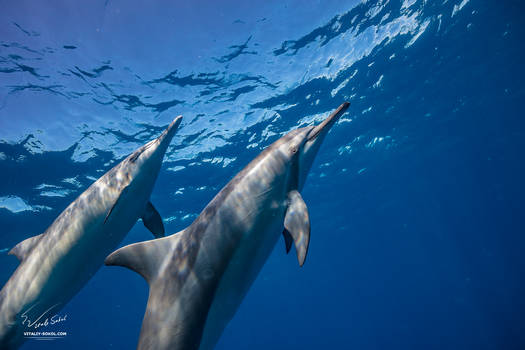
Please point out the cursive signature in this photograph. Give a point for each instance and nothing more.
(43, 320)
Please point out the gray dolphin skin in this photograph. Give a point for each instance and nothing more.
(198, 277)
(57, 263)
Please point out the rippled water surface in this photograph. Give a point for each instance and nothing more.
(416, 197)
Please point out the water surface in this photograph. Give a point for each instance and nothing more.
(416, 197)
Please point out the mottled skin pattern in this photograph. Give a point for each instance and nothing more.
(74, 247)
(199, 276)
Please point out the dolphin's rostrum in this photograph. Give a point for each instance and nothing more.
(57, 263)
(199, 276)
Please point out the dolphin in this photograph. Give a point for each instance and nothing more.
(56, 264)
(199, 276)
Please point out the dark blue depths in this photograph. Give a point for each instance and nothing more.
(416, 197)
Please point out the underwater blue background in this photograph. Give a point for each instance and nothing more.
(416, 197)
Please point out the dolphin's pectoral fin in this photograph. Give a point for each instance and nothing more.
(143, 257)
(297, 224)
(23, 248)
(288, 240)
(152, 220)
(122, 194)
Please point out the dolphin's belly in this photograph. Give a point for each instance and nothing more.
(241, 272)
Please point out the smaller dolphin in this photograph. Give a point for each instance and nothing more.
(55, 265)
(199, 276)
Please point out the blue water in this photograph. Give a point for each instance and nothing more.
(416, 197)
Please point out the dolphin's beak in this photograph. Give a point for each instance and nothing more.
(167, 135)
(328, 122)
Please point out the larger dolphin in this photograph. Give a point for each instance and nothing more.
(199, 276)
(56, 264)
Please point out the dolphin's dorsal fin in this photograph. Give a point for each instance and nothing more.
(23, 248)
(144, 258)
(297, 225)
(152, 220)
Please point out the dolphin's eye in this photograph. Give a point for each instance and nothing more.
(135, 155)
(293, 149)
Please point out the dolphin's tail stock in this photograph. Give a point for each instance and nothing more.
(175, 306)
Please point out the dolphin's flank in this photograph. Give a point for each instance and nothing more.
(57, 263)
(199, 276)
